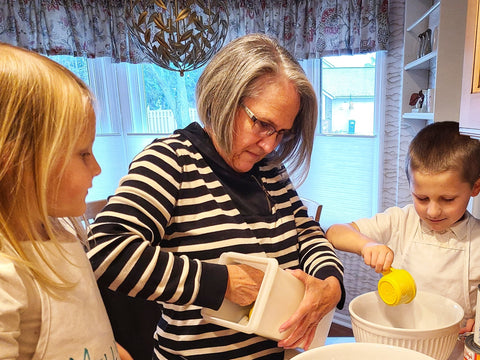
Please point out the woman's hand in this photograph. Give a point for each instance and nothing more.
(320, 297)
(377, 256)
(243, 284)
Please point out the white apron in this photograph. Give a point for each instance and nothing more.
(75, 326)
(446, 260)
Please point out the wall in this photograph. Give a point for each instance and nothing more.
(397, 133)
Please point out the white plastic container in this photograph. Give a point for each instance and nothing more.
(279, 296)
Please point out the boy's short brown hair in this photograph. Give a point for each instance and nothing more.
(440, 147)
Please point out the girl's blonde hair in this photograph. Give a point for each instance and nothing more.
(43, 112)
(238, 71)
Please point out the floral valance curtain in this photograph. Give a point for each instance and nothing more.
(315, 28)
(92, 28)
(97, 28)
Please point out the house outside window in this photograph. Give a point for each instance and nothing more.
(348, 95)
(347, 156)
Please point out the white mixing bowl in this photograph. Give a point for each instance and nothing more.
(361, 351)
(429, 324)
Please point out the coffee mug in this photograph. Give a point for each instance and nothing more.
(396, 286)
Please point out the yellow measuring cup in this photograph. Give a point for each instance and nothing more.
(396, 286)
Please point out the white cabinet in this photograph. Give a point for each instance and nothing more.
(470, 104)
(441, 69)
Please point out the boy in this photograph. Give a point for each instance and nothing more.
(435, 238)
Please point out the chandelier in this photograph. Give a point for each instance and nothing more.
(178, 35)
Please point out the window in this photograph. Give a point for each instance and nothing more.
(169, 98)
(138, 103)
(348, 95)
(346, 162)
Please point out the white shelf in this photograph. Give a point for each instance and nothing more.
(421, 63)
(472, 132)
(440, 70)
(423, 17)
(418, 116)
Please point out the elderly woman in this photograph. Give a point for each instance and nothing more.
(222, 187)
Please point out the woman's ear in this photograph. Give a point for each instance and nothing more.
(476, 188)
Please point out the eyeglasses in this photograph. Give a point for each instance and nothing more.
(264, 129)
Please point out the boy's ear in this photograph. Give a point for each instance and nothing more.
(476, 188)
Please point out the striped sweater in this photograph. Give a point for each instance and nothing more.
(178, 209)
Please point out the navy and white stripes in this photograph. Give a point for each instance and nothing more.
(162, 233)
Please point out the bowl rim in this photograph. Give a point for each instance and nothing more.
(364, 345)
(405, 330)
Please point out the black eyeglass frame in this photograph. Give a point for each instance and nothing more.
(264, 129)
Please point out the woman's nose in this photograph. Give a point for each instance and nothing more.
(269, 143)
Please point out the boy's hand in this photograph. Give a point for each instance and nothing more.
(468, 326)
(377, 256)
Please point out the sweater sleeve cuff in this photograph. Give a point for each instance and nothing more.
(213, 286)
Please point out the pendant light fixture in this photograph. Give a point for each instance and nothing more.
(178, 35)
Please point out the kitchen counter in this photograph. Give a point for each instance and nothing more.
(339, 340)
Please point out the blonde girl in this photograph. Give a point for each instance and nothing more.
(50, 307)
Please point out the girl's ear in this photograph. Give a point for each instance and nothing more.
(476, 188)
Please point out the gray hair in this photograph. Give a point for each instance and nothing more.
(440, 147)
(232, 75)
